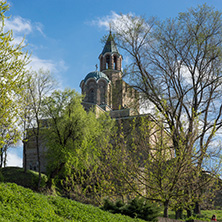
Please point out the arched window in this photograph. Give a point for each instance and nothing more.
(107, 61)
(115, 62)
(91, 96)
(102, 87)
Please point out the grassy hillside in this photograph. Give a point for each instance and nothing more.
(21, 204)
(17, 175)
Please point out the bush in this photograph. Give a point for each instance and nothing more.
(136, 208)
(115, 208)
(1, 177)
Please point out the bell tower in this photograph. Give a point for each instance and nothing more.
(111, 60)
(106, 88)
(111, 64)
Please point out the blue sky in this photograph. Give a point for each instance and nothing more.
(64, 36)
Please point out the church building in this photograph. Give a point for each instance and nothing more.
(104, 91)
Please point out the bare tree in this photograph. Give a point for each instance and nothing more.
(176, 65)
(26, 119)
(11, 135)
(39, 86)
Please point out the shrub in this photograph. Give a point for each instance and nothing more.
(136, 208)
(1, 177)
(113, 207)
(141, 208)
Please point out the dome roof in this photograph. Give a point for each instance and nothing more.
(96, 75)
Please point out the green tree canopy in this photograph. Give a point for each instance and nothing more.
(12, 70)
(74, 139)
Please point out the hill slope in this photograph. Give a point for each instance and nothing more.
(17, 175)
(21, 204)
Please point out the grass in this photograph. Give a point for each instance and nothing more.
(21, 204)
(205, 215)
(17, 175)
(209, 213)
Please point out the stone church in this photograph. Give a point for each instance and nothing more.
(104, 91)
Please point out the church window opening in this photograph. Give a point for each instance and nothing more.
(115, 62)
(107, 61)
(91, 95)
(102, 92)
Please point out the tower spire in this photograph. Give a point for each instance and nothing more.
(110, 29)
(110, 45)
(110, 58)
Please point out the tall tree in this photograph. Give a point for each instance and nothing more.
(12, 70)
(26, 119)
(38, 88)
(176, 65)
(74, 142)
(142, 162)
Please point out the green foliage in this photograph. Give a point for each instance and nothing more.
(141, 208)
(20, 204)
(113, 207)
(75, 140)
(12, 78)
(1, 177)
(136, 208)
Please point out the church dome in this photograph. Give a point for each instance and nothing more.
(96, 75)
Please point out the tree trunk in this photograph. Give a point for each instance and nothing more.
(24, 157)
(179, 213)
(197, 208)
(189, 213)
(5, 158)
(38, 157)
(166, 206)
(53, 174)
(1, 163)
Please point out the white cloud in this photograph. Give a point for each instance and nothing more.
(106, 20)
(22, 26)
(18, 25)
(54, 67)
(118, 22)
(39, 28)
(49, 65)
(13, 159)
(37, 63)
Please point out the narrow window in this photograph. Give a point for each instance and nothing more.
(102, 87)
(115, 62)
(107, 61)
(91, 95)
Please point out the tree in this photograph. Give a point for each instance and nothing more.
(176, 65)
(10, 135)
(26, 119)
(74, 141)
(39, 86)
(12, 70)
(142, 161)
